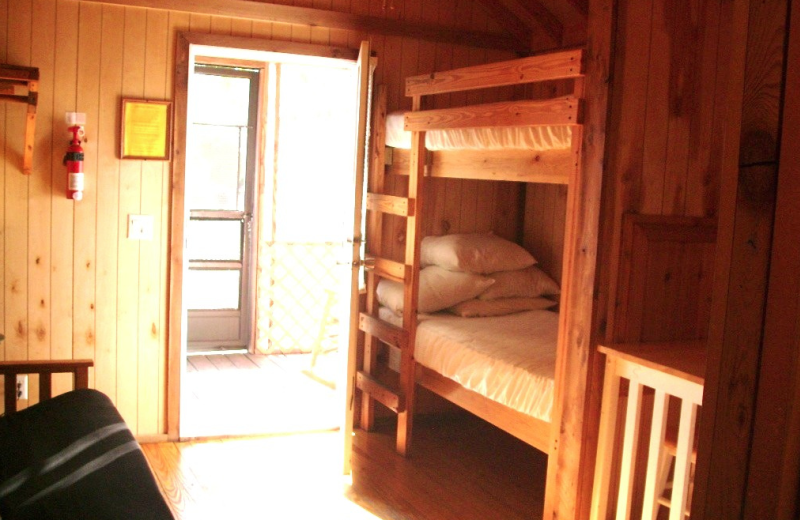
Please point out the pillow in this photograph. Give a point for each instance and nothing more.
(475, 308)
(438, 289)
(474, 253)
(529, 283)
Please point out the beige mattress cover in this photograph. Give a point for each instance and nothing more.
(538, 138)
(509, 359)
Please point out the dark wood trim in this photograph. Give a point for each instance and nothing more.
(301, 49)
(269, 12)
(178, 217)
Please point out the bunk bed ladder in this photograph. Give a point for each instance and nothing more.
(399, 397)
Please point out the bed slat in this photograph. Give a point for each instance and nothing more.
(564, 110)
(556, 65)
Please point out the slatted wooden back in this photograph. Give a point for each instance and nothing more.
(663, 289)
(79, 368)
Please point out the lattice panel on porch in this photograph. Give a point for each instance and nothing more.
(292, 295)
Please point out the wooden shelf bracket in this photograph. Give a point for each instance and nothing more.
(21, 85)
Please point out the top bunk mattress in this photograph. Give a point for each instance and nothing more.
(509, 359)
(536, 138)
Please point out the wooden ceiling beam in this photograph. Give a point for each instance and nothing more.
(523, 19)
(536, 14)
(581, 6)
(507, 20)
(270, 12)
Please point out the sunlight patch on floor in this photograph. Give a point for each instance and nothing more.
(280, 477)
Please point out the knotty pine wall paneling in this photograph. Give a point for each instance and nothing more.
(736, 333)
(84, 273)
(73, 284)
(39, 209)
(16, 206)
(664, 155)
(6, 110)
(108, 183)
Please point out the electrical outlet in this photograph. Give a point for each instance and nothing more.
(22, 388)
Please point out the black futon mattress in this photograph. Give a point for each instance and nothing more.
(73, 457)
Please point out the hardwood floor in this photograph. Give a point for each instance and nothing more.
(245, 394)
(462, 469)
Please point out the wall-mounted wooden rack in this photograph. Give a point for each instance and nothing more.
(21, 85)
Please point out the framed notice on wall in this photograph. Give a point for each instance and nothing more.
(146, 129)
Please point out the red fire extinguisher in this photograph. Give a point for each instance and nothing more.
(73, 160)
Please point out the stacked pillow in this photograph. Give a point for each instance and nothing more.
(473, 275)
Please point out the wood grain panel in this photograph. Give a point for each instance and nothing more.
(39, 210)
(772, 492)
(700, 167)
(152, 257)
(544, 220)
(747, 207)
(107, 186)
(662, 275)
(85, 269)
(16, 204)
(4, 166)
(656, 112)
(62, 224)
(129, 201)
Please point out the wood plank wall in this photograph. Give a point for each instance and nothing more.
(663, 155)
(695, 131)
(73, 285)
(736, 337)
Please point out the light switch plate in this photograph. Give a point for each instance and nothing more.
(140, 227)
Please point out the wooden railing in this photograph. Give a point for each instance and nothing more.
(671, 369)
(79, 368)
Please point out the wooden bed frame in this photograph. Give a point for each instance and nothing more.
(557, 167)
(548, 166)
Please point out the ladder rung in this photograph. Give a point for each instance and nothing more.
(386, 268)
(384, 331)
(380, 392)
(391, 204)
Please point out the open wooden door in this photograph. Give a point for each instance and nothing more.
(364, 75)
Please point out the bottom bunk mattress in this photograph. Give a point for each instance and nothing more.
(509, 359)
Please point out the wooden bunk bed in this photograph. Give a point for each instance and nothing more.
(519, 163)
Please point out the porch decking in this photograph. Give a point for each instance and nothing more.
(246, 394)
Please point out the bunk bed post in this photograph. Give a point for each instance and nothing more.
(570, 467)
(416, 190)
(376, 181)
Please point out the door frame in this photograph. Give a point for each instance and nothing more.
(187, 45)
